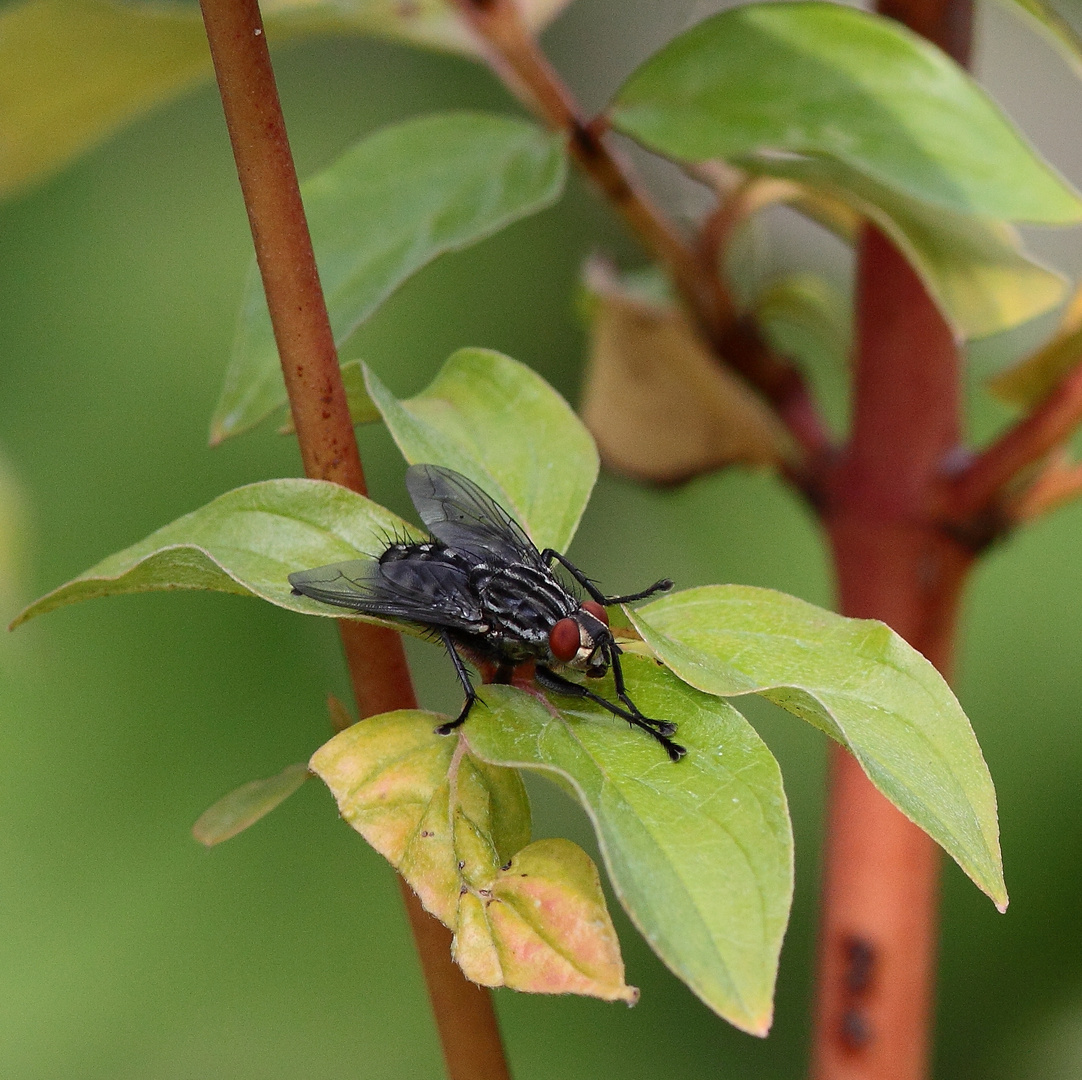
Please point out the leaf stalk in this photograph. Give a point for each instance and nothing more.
(518, 61)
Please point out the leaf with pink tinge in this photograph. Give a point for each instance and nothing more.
(449, 823)
(542, 926)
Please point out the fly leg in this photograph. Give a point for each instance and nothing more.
(659, 586)
(467, 686)
(613, 655)
(550, 680)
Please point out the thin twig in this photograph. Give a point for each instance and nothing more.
(1057, 484)
(381, 680)
(750, 195)
(982, 482)
(517, 60)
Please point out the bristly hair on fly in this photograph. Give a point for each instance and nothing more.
(480, 585)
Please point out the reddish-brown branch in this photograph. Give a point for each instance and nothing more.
(516, 58)
(1050, 424)
(381, 679)
(1059, 482)
(893, 562)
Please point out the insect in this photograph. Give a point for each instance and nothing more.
(481, 587)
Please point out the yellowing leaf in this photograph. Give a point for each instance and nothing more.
(542, 926)
(72, 71)
(658, 404)
(1039, 374)
(529, 917)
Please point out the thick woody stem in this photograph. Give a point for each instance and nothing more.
(878, 929)
(877, 938)
(514, 56)
(381, 679)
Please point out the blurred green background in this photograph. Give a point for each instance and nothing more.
(127, 951)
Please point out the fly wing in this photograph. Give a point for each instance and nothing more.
(430, 591)
(458, 513)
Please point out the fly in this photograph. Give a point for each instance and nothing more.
(481, 586)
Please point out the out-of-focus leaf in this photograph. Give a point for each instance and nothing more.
(362, 409)
(804, 316)
(246, 541)
(386, 208)
(859, 682)
(861, 94)
(499, 423)
(699, 852)
(528, 916)
(13, 528)
(656, 400)
(74, 71)
(974, 267)
(1032, 380)
(1060, 22)
(234, 812)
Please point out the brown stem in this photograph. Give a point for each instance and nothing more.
(877, 936)
(893, 562)
(516, 58)
(377, 664)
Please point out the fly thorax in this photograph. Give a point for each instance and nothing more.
(521, 601)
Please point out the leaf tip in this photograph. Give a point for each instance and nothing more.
(759, 1026)
(25, 615)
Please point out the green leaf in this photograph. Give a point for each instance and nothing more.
(499, 423)
(859, 682)
(859, 93)
(528, 916)
(72, 71)
(974, 267)
(805, 317)
(234, 812)
(699, 852)
(246, 542)
(385, 209)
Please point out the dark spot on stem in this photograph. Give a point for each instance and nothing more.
(856, 1032)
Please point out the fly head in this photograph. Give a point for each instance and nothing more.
(583, 640)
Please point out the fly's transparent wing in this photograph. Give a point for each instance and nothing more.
(426, 590)
(459, 514)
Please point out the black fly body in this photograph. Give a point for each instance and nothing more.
(482, 588)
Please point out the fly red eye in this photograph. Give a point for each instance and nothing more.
(595, 609)
(564, 639)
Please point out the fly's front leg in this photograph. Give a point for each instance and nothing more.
(659, 586)
(550, 680)
(551, 553)
(666, 727)
(467, 686)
